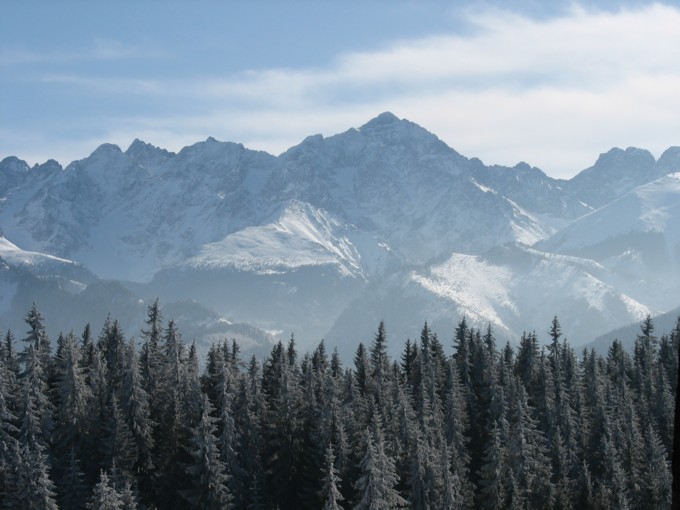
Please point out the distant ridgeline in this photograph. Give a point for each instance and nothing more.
(108, 423)
(381, 221)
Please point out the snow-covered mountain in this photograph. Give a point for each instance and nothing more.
(396, 180)
(381, 221)
(298, 235)
(42, 265)
(128, 214)
(512, 287)
(618, 172)
(293, 274)
(637, 236)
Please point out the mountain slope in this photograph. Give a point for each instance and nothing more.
(295, 273)
(514, 288)
(297, 235)
(664, 324)
(42, 265)
(637, 235)
(381, 221)
(126, 214)
(396, 180)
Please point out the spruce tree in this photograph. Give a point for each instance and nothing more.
(151, 361)
(248, 411)
(336, 364)
(377, 485)
(330, 493)
(72, 489)
(37, 336)
(114, 351)
(361, 369)
(492, 471)
(191, 387)
(462, 351)
(117, 444)
(380, 367)
(36, 408)
(151, 358)
(73, 396)
(226, 424)
(656, 482)
(610, 482)
(282, 433)
(645, 356)
(455, 418)
(314, 433)
(527, 451)
(137, 413)
(105, 496)
(207, 471)
(452, 497)
(128, 497)
(423, 486)
(9, 445)
(35, 488)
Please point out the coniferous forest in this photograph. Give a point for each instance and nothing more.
(106, 422)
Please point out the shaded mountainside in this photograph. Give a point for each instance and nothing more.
(381, 221)
(663, 324)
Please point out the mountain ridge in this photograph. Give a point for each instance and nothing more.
(375, 203)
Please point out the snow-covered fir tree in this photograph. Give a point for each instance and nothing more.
(124, 424)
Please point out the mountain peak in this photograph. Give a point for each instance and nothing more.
(13, 164)
(632, 155)
(137, 146)
(384, 119)
(388, 128)
(140, 149)
(50, 165)
(615, 173)
(106, 149)
(669, 160)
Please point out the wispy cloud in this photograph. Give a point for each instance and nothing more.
(554, 92)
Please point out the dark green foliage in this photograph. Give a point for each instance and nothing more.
(330, 494)
(107, 424)
(137, 413)
(71, 487)
(34, 488)
(206, 469)
(105, 495)
(378, 481)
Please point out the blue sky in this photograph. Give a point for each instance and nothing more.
(550, 83)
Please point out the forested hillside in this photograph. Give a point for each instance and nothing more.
(116, 423)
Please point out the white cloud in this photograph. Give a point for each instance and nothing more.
(553, 92)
